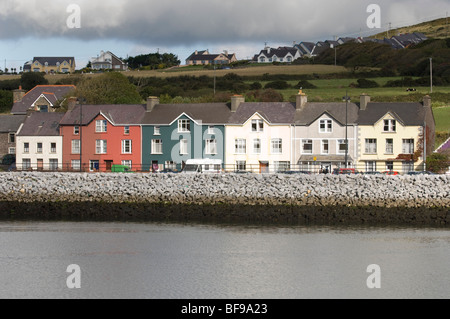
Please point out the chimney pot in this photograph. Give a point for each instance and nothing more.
(236, 100)
(152, 101)
(301, 100)
(364, 100)
(427, 101)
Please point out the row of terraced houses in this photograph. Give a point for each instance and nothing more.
(257, 137)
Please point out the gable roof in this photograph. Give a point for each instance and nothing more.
(281, 52)
(117, 114)
(54, 60)
(272, 112)
(313, 111)
(51, 92)
(444, 146)
(207, 113)
(411, 114)
(11, 123)
(41, 124)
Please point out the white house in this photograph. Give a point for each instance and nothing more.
(38, 142)
(108, 61)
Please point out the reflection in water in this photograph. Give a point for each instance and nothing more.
(156, 260)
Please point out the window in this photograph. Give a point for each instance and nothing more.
(127, 163)
(52, 147)
(389, 126)
(371, 166)
(389, 166)
(171, 165)
(282, 166)
(76, 130)
(11, 138)
(325, 126)
(76, 165)
(325, 149)
(101, 126)
(183, 147)
(241, 165)
(407, 167)
(76, 147)
(257, 125)
(240, 146)
(53, 164)
(257, 146)
(184, 126)
(39, 148)
(26, 163)
(26, 147)
(389, 146)
(210, 130)
(12, 150)
(371, 146)
(211, 147)
(307, 146)
(157, 130)
(126, 147)
(408, 146)
(101, 147)
(342, 147)
(126, 130)
(276, 146)
(157, 147)
(94, 165)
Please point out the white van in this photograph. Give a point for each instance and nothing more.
(205, 165)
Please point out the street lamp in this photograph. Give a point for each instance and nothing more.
(346, 98)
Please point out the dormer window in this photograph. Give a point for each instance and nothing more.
(257, 125)
(325, 126)
(389, 126)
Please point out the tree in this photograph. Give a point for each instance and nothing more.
(29, 80)
(6, 101)
(108, 88)
(438, 162)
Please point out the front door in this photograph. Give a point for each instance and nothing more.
(155, 166)
(108, 165)
(264, 167)
(40, 164)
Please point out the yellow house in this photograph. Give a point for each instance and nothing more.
(393, 136)
(52, 65)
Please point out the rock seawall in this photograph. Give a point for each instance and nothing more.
(250, 197)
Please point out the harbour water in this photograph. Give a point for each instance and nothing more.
(199, 261)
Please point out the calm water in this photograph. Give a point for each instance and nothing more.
(174, 261)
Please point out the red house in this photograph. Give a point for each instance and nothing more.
(96, 137)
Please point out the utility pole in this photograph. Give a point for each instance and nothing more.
(431, 74)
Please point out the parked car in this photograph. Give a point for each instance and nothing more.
(391, 173)
(296, 172)
(372, 173)
(420, 173)
(338, 171)
(203, 166)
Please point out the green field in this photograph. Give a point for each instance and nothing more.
(442, 118)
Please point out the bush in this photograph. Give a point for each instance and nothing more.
(304, 84)
(31, 79)
(438, 162)
(277, 85)
(267, 95)
(8, 159)
(364, 83)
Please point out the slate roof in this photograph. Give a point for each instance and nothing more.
(272, 112)
(52, 92)
(280, 52)
(41, 124)
(411, 114)
(312, 111)
(207, 113)
(118, 114)
(444, 146)
(54, 60)
(11, 123)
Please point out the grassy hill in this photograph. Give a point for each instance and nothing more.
(438, 28)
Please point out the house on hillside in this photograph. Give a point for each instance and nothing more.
(306, 49)
(258, 136)
(108, 61)
(205, 58)
(393, 136)
(281, 55)
(322, 134)
(51, 65)
(9, 125)
(96, 137)
(42, 98)
(39, 144)
(175, 133)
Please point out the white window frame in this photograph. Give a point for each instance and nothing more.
(157, 130)
(184, 126)
(26, 163)
(257, 146)
(211, 147)
(126, 130)
(26, 147)
(258, 125)
(325, 126)
(101, 126)
(211, 129)
(76, 149)
(371, 166)
(157, 146)
(39, 150)
(307, 142)
(75, 165)
(389, 146)
(53, 148)
(184, 147)
(101, 147)
(370, 146)
(389, 126)
(128, 163)
(12, 150)
(322, 147)
(276, 146)
(53, 164)
(76, 130)
(240, 146)
(408, 146)
(241, 165)
(127, 147)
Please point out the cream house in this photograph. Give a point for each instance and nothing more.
(393, 136)
(38, 142)
(258, 136)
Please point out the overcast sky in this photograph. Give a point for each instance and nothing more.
(31, 28)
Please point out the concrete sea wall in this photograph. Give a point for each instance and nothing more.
(228, 197)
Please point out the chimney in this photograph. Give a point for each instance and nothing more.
(301, 100)
(236, 100)
(427, 101)
(152, 101)
(18, 94)
(364, 100)
(71, 102)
